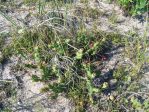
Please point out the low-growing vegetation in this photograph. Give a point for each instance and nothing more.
(71, 62)
(134, 7)
(71, 65)
(68, 64)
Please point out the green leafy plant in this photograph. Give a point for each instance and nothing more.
(71, 63)
(135, 7)
(66, 64)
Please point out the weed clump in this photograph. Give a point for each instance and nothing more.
(72, 64)
(67, 63)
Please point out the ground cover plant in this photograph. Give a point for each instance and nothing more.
(71, 65)
(68, 62)
(71, 62)
(134, 7)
